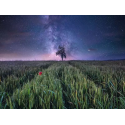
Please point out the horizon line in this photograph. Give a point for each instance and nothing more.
(64, 60)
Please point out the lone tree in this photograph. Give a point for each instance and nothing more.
(61, 52)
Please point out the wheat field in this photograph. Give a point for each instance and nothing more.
(62, 85)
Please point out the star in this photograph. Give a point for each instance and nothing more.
(84, 36)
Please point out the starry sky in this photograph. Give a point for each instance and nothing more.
(85, 37)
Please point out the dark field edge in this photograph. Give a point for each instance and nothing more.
(10, 67)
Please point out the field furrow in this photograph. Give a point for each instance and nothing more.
(66, 85)
(17, 78)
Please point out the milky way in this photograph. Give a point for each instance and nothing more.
(84, 37)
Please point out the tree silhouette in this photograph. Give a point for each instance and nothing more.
(61, 52)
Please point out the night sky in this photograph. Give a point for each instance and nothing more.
(85, 37)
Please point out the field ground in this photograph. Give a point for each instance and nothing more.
(62, 85)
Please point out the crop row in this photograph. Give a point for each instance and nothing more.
(64, 86)
(16, 78)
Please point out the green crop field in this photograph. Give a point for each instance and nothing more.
(62, 85)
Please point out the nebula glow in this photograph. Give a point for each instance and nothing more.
(84, 37)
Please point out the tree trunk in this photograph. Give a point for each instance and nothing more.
(62, 58)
